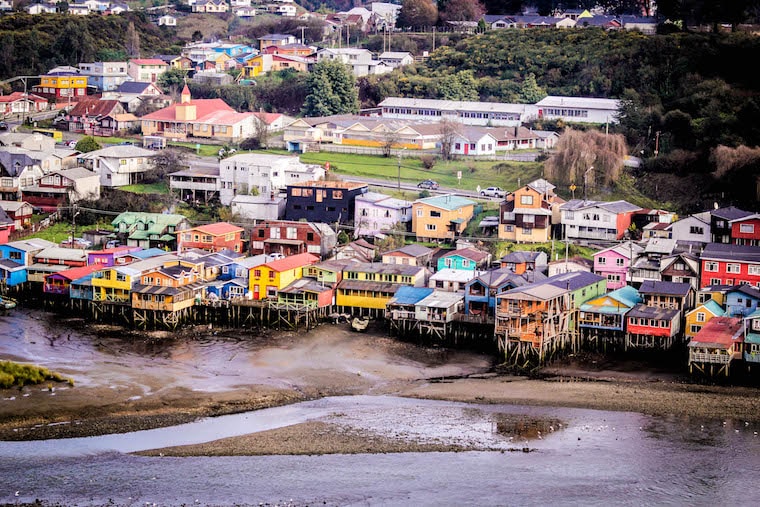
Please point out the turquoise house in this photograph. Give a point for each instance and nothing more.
(464, 258)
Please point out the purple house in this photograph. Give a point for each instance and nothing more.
(375, 213)
(613, 263)
(109, 257)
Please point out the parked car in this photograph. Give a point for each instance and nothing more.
(3, 125)
(428, 185)
(71, 143)
(275, 256)
(113, 243)
(76, 243)
(493, 192)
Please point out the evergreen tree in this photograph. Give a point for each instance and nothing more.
(331, 90)
(87, 144)
(530, 92)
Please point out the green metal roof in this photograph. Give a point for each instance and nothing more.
(447, 202)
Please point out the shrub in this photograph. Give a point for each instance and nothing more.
(428, 161)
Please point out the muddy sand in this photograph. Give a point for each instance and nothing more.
(127, 383)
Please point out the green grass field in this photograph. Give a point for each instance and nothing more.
(147, 188)
(60, 231)
(508, 175)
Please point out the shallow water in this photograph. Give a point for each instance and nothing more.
(594, 458)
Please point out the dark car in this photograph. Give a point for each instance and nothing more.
(428, 185)
(3, 125)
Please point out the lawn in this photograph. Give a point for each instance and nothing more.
(60, 231)
(147, 188)
(508, 175)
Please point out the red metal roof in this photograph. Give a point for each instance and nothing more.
(214, 111)
(95, 107)
(218, 229)
(721, 331)
(267, 118)
(148, 61)
(293, 261)
(76, 273)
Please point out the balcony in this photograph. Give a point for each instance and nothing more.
(701, 357)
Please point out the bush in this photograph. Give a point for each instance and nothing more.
(252, 143)
(22, 374)
(428, 161)
(425, 193)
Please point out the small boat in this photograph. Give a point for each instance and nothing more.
(7, 303)
(359, 324)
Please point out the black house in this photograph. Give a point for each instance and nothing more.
(720, 228)
(323, 201)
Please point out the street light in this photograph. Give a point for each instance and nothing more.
(399, 169)
(584, 180)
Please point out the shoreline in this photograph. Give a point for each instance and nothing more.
(204, 374)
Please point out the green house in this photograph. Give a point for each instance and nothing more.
(149, 230)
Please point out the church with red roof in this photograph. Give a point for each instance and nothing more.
(198, 119)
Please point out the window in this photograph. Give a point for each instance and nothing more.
(465, 263)
(711, 266)
(257, 273)
(430, 227)
(435, 214)
(447, 262)
(419, 212)
(733, 268)
(747, 228)
(714, 281)
(309, 236)
(527, 230)
(753, 270)
(569, 215)
(701, 317)
(260, 233)
(526, 199)
(337, 194)
(601, 260)
(696, 230)
(613, 278)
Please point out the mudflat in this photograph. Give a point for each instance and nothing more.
(126, 381)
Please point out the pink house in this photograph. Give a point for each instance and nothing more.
(110, 256)
(376, 213)
(613, 263)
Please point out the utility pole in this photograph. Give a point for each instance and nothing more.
(302, 29)
(399, 171)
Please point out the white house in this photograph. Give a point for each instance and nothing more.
(396, 58)
(603, 220)
(466, 112)
(38, 8)
(120, 165)
(258, 207)
(167, 20)
(360, 60)
(690, 229)
(375, 212)
(578, 109)
(105, 76)
(473, 141)
(268, 173)
(452, 280)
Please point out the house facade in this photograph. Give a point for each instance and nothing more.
(62, 188)
(614, 263)
(146, 70)
(323, 201)
(105, 76)
(525, 216)
(118, 166)
(442, 217)
(212, 238)
(726, 264)
(376, 213)
(263, 173)
(595, 220)
(266, 280)
(746, 230)
(292, 237)
(149, 230)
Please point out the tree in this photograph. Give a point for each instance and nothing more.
(462, 10)
(166, 162)
(530, 92)
(390, 139)
(197, 36)
(459, 86)
(331, 90)
(132, 44)
(588, 158)
(87, 144)
(417, 13)
(172, 81)
(449, 130)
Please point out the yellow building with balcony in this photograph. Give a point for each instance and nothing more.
(441, 217)
(113, 285)
(367, 287)
(266, 280)
(62, 86)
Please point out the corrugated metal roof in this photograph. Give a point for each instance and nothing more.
(667, 288)
(720, 332)
(406, 295)
(441, 299)
(369, 286)
(653, 312)
(447, 202)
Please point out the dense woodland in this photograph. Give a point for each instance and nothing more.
(685, 94)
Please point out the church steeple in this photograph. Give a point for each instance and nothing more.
(185, 97)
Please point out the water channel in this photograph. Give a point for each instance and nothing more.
(581, 457)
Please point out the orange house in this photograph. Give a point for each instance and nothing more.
(168, 288)
(213, 238)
